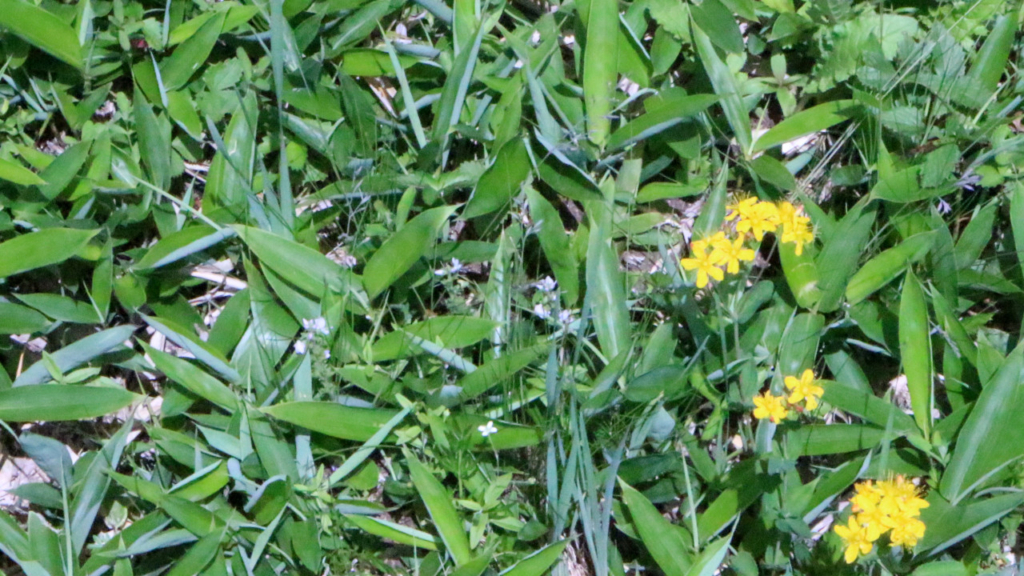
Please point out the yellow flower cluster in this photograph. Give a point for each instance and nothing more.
(717, 255)
(757, 217)
(711, 253)
(889, 506)
(802, 389)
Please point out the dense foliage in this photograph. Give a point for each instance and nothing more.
(593, 287)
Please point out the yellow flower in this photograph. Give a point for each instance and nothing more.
(804, 388)
(732, 251)
(900, 497)
(798, 233)
(763, 217)
(769, 406)
(867, 497)
(787, 212)
(855, 538)
(705, 263)
(875, 523)
(741, 208)
(907, 532)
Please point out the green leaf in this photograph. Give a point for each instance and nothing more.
(725, 86)
(335, 420)
(600, 64)
(821, 439)
(439, 504)
(719, 23)
(916, 350)
(867, 406)
(62, 308)
(154, 136)
(501, 182)
(665, 542)
(988, 67)
(188, 340)
(193, 379)
(555, 243)
(17, 319)
(538, 563)
(606, 293)
(449, 331)
(58, 403)
(989, 439)
(18, 174)
(497, 371)
(176, 70)
(43, 30)
(774, 172)
(304, 267)
(76, 354)
(886, 266)
(392, 531)
(182, 244)
(950, 523)
(838, 258)
(674, 108)
(805, 122)
(403, 249)
(44, 248)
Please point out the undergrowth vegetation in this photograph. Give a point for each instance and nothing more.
(489, 287)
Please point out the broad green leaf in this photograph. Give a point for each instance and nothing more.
(331, 419)
(42, 29)
(182, 244)
(867, 406)
(500, 184)
(193, 379)
(18, 174)
(154, 134)
(439, 504)
(805, 122)
(600, 64)
(838, 258)
(198, 556)
(76, 354)
(886, 266)
(403, 249)
(62, 308)
(989, 439)
(449, 331)
(726, 88)
(670, 112)
(668, 544)
(304, 267)
(59, 403)
(187, 339)
(988, 67)
(710, 560)
(606, 293)
(392, 531)
(497, 371)
(538, 563)
(773, 172)
(43, 248)
(821, 439)
(949, 523)
(718, 21)
(555, 243)
(916, 350)
(17, 319)
(176, 70)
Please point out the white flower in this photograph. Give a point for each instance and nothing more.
(300, 346)
(454, 268)
(541, 311)
(316, 325)
(327, 354)
(547, 284)
(565, 316)
(487, 429)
